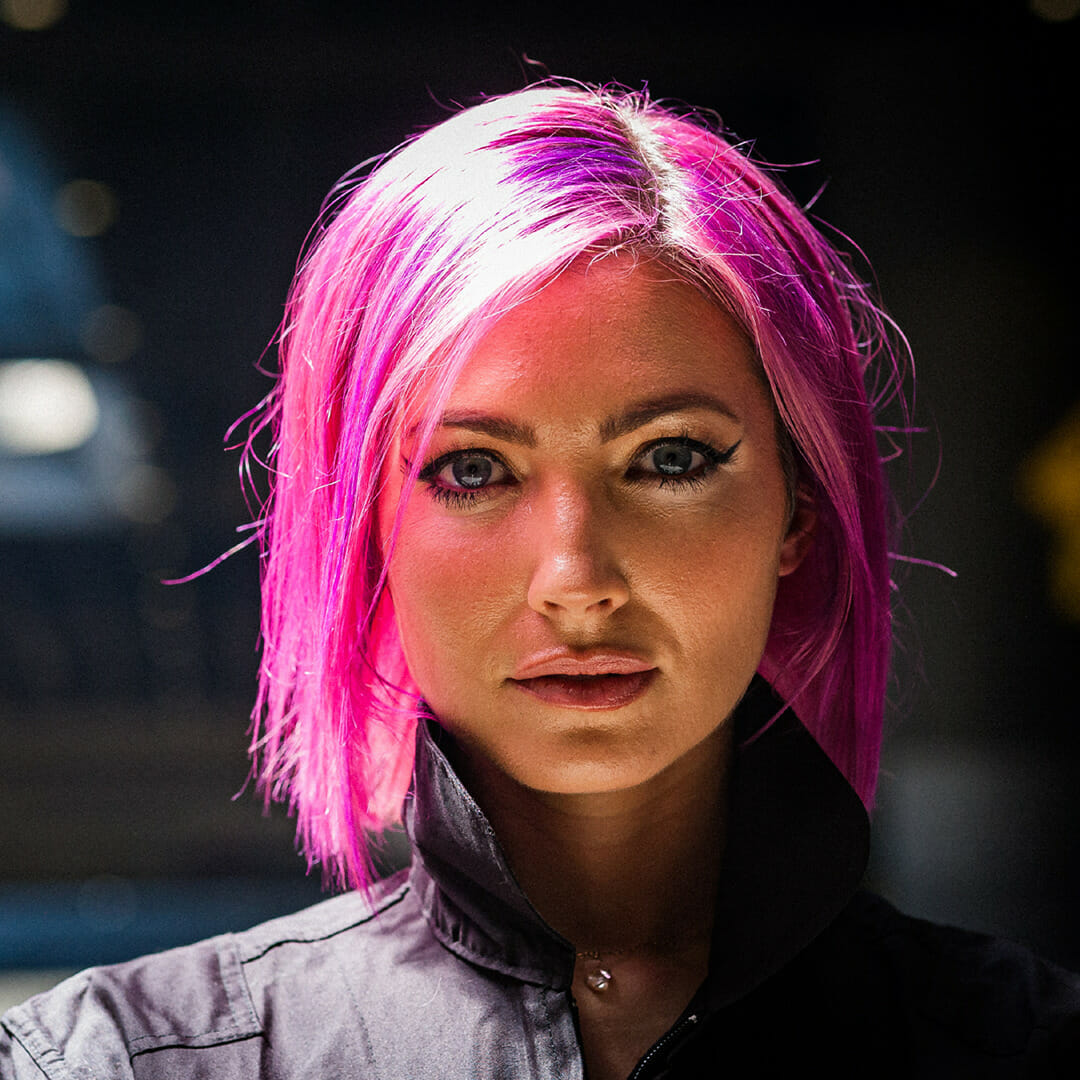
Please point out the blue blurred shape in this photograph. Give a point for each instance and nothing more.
(109, 919)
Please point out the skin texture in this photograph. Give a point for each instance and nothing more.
(611, 818)
(574, 542)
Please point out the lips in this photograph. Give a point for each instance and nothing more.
(592, 662)
(592, 680)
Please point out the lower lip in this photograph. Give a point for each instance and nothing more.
(588, 691)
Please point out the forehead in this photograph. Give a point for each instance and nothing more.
(604, 328)
(642, 303)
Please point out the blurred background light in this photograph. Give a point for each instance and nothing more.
(107, 902)
(46, 406)
(111, 334)
(49, 279)
(1055, 10)
(85, 207)
(1050, 487)
(145, 494)
(32, 14)
(74, 453)
(7, 184)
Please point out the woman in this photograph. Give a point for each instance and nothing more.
(577, 503)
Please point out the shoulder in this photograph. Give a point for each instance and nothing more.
(954, 988)
(94, 1023)
(324, 922)
(196, 998)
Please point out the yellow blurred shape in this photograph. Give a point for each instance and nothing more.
(1050, 488)
(32, 14)
(1055, 10)
(85, 207)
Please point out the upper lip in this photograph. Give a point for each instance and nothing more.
(588, 662)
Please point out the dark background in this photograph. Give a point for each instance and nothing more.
(943, 135)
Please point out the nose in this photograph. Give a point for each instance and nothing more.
(576, 578)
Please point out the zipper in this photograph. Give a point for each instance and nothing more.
(665, 1040)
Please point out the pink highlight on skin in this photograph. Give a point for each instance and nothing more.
(404, 271)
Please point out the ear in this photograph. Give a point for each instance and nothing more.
(800, 534)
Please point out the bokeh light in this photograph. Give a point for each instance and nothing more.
(1050, 487)
(1055, 10)
(85, 207)
(46, 407)
(145, 494)
(32, 14)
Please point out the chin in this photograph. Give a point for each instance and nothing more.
(590, 763)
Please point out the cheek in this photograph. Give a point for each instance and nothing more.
(427, 579)
(717, 585)
(450, 598)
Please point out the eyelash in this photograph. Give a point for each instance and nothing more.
(459, 497)
(453, 497)
(713, 460)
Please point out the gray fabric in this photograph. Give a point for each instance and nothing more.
(447, 971)
(342, 989)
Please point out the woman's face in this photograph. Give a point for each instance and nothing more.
(585, 572)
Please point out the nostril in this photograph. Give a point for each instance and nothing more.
(599, 606)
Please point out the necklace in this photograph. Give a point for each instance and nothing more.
(600, 976)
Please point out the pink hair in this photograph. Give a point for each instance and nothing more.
(404, 271)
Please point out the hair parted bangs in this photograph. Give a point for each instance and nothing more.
(404, 272)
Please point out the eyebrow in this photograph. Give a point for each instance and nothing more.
(637, 415)
(498, 427)
(652, 408)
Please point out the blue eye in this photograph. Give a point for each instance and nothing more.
(674, 459)
(462, 476)
(681, 461)
(471, 470)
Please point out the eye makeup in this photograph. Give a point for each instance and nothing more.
(462, 478)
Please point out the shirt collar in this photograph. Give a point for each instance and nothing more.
(797, 846)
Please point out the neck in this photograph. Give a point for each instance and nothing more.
(624, 870)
